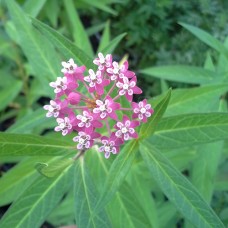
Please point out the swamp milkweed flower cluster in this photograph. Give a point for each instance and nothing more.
(95, 109)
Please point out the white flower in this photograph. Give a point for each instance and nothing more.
(68, 67)
(53, 109)
(60, 84)
(64, 125)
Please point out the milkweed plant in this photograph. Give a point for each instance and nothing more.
(98, 107)
(82, 145)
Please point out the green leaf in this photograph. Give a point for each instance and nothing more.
(142, 194)
(194, 99)
(17, 179)
(64, 213)
(27, 123)
(37, 49)
(9, 93)
(205, 167)
(206, 38)
(80, 36)
(178, 189)
(85, 199)
(190, 129)
(100, 5)
(105, 39)
(148, 128)
(54, 13)
(112, 45)
(117, 173)
(36, 203)
(124, 205)
(180, 73)
(53, 168)
(33, 7)
(65, 46)
(33, 145)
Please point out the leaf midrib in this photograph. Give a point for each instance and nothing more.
(33, 207)
(176, 186)
(29, 32)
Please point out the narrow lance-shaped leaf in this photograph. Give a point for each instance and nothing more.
(180, 73)
(148, 128)
(80, 36)
(205, 167)
(178, 189)
(105, 39)
(65, 46)
(55, 167)
(188, 129)
(36, 203)
(18, 178)
(28, 122)
(113, 43)
(193, 99)
(33, 145)
(9, 93)
(206, 38)
(124, 204)
(117, 173)
(85, 199)
(38, 49)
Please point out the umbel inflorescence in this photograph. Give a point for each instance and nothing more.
(96, 109)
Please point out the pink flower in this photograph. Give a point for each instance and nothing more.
(69, 67)
(57, 108)
(128, 88)
(110, 145)
(53, 109)
(125, 129)
(74, 98)
(119, 71)
(142, 110)
(87, 121)
(85, 141)
(96, 82)
(60, 84)
(106, 108)
(103, 62)
(64, 125)
(87, 109)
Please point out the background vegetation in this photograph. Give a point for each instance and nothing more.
(166, 178)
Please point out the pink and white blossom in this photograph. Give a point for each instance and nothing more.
(69, 67)
(117, 71)
(60, 84)
(106, 108)
(110, 145)
(102, 61)
(96, 82)
(85, 140)
(89, 104)
(53, 109)
(142, 110)
(64, 125)
(128, 88)
(126, 129)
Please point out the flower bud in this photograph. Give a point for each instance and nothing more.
(74, 98)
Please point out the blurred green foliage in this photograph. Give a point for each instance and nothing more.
(145, 185)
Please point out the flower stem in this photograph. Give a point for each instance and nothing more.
(116, 97)
(82, 95)
(87, 87)
(78, 155)
(78, 107)
(112, 88)
(108, 127)
(126, 109)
